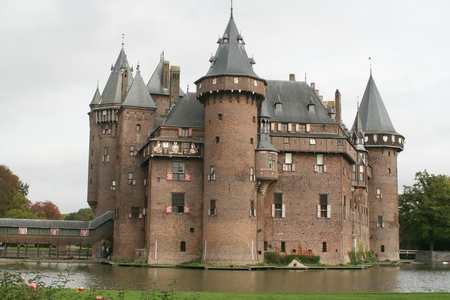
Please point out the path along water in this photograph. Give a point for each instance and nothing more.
(411, 277)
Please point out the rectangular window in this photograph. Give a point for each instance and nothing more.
(284, 127)
(323, 208)
(178, 170)
(184, 132)
(138, 127)
(113, 185)
(353, 172)
(278, 201)
(378, 195)
(312, 141)
(130, 178)
(185, 146)
(324, 247)
(212, 173)
(177, 203)
(252, 174)
(380, 221)
(272, 164)
(134, 212)
(132, 152)
(183, 246)
(212, 208)
(252, 209)
(320, 167)
(286, 140)
(105, 154)
(287, 162)
(361, 173)
(345, 207)
(283, 247)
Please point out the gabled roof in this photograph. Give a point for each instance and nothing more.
(294, 97)
(138, 95)
(188, 112)
(112, 93)
(231, 57)
(97, 98)
(374, 116)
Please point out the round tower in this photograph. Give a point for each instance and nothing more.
(231, 93)
(383, 144)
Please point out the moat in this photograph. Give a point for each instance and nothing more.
(411, 277)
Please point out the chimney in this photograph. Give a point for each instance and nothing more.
(291, 77)
(174, 85)
(165, 75)
(337, 107)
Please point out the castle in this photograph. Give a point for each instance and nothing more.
(242, 166)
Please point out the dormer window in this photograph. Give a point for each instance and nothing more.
(311, 106)
(240, 40)
(225, 38)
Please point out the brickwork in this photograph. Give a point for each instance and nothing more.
(384, 235)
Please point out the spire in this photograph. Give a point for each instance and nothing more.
(119, 80)
(374, 116)
(123, 40)
(97, 99)
(231, 57)
(231, 12)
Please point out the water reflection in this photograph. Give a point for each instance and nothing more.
(407, 278)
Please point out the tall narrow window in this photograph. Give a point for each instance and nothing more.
(183, 132)
(113, 185)
(324, 247)
(278, 205)
(132, 152)
(183, 246)
(345, 207)
(272, 164)
(212, 173)
(138, 127)
(323, 208)
(178, 202)
(283, 247)
(130, 178)
(212, 208)
(252, 209)
(252, 174)
(105, 154)
(380, 221)
(220, 117)
(383, 249)
(353, 172)
(320, 167)
(217, 140)
(287, 162)
(361, 173)
(178, 171)
(378, 194)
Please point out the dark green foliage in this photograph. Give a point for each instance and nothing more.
(283, 260)
(424, 213)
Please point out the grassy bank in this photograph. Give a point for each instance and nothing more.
(279, 296)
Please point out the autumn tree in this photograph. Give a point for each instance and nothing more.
(83, 214)
(46, 210)
(13, 196)
(424, 212)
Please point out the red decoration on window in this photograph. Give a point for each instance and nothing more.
(186, 209)
(168, 209)
(169, 176)
(84, 232)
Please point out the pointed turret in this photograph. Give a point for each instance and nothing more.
(376, 124)
(118, 82)
(357, 133)
(138, 95)
(97, 99)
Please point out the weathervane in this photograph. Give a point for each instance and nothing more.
(370, 60)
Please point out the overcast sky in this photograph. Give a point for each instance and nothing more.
(53, 53)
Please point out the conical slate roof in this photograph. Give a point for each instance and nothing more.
(358, 133)
(112, 94)
(138, 95)
(231, 57)
(373, 113)
(97, 98)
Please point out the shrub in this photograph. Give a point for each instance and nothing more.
(277, 259)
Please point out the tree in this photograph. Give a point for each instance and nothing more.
(13, 196)
(83, 214)
(424, 212)
(46, 209)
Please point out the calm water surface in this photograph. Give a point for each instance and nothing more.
(406, 278)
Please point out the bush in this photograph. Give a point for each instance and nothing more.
(277, 259)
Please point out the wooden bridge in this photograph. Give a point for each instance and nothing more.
(26, 238)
